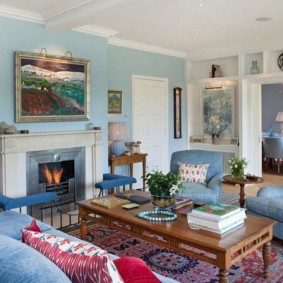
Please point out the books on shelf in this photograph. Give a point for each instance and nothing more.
(218, 225)
(215, 211)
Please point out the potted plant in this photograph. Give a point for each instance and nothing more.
(163, 187)
(237, 166)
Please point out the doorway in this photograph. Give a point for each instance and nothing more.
(150, 121)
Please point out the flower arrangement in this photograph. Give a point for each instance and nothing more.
(163, 185)
(237, 166)
(216, 125)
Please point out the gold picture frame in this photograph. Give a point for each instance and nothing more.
(51, 88)
(177, 113)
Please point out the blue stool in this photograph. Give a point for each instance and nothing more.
(7, 203)
(112, 181)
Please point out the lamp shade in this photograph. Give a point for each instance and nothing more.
(279, 117)
(117, 132)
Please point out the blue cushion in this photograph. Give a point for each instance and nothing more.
(113, 180)
(12, 222)
(31, 266)
(269, 207)
(198, 192)
(10, 203)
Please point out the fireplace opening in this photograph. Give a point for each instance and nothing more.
(61, 171)
(58, 177)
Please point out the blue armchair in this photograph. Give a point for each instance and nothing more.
(212, 190)
(268, 203)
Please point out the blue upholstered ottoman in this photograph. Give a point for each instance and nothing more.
(113, 180)
(268, 203)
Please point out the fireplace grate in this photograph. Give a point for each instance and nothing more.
(65, 191)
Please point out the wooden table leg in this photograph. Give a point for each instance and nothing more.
(131, 173)
(223, 275)
(83, 229)
(266, 258)
(242, 195)
(143, 173)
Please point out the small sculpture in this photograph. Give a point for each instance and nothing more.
(7, 129)
(215, 71)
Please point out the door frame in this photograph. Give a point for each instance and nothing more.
(252, 87)
(165, 81)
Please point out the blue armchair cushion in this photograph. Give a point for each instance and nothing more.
(30, 267)
(209, 192)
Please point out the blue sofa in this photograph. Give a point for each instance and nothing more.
(209, 192)
(268, 203)
(21, 263)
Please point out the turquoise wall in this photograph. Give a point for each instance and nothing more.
(111, 67)
(125, 62)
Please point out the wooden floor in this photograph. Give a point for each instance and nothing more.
(251, 190)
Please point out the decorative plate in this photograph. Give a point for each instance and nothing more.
(280, 61)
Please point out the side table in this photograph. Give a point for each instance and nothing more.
(129, 160)
(242, 182)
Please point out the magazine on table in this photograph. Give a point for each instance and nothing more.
(216, 211)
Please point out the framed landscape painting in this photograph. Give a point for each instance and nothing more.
(114, 101)
(51, 88)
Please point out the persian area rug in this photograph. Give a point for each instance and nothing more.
(183, 268)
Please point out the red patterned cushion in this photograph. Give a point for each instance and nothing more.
(134, 270)
(79, 261)
(193, 173)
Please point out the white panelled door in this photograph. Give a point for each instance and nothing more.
(149, 125)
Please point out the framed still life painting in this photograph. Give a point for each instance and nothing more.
(51, 88)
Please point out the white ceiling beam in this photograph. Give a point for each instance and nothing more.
(75, 17)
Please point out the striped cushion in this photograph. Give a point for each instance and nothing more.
(79, 261)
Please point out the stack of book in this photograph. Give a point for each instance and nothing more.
(217, 218)
(182, 201)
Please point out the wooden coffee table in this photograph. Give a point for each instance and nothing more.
(220, 250)
(242, 182)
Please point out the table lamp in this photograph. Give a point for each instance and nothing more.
(279, 118)
(118, 133)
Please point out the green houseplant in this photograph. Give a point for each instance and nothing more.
(163, 187)
(237, 166)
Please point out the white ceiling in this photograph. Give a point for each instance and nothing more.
(182, 26)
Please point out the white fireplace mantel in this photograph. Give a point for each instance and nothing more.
(13, 149)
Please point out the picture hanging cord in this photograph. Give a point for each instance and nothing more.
(43, 50)
(70, 54)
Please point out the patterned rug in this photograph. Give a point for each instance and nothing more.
(183, 268)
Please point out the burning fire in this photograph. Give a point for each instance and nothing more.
(54, 177)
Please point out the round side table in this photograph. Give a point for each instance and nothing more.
(242, 182)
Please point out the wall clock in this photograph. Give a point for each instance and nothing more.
(280, 61)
